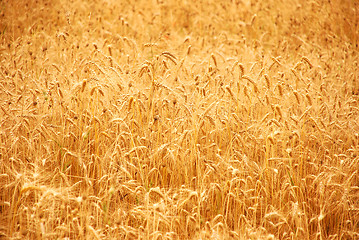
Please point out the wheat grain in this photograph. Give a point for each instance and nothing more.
(170, 56)
(251, 81)
(267, 81)
(189, 50)
(309, 99)
(230, 92)
(214, 60)
(296, 94)
(305, 59)
(279, 111)
(280, 90)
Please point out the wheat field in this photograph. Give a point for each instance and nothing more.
(179, 119)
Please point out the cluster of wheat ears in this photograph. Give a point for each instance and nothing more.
(179, 119)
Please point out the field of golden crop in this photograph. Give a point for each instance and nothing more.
(179, 119)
